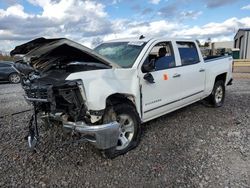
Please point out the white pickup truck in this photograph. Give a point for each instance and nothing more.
(106, 94)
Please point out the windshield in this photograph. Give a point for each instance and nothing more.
(121, 53)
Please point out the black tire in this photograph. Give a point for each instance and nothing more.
(113, 114)
(217, 97)
(14, 78)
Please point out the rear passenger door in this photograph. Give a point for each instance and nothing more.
(192, 72)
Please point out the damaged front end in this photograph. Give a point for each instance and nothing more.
(44, 68)
(63, 98)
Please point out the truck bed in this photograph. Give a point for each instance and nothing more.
(213, 58)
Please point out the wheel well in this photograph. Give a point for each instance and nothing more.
(119, 98)
(11, 74)
(222, 77)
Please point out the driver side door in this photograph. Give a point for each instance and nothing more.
(163, 95)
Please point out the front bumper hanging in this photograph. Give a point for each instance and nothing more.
(102, 136)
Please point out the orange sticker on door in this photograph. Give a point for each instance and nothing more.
(165, 77)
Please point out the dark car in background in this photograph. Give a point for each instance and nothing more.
(8, 73)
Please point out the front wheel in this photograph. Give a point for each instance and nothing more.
(217, 96)
(130, 129)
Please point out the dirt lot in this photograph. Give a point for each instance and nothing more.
(197, 146)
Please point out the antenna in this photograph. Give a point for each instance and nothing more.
(141, 37)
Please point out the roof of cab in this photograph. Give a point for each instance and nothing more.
(147, 39)
(129, 40)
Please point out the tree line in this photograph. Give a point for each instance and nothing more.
(5, 57)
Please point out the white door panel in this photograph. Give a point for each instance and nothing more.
(192, 71)
(193, 81)
(163, 95)
(174, 87)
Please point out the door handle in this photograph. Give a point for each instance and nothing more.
(202, 70)
(176, 75)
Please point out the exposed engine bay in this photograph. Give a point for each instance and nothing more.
(51, 93)
(44, 67)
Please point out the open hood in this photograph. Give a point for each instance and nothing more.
(42, 53)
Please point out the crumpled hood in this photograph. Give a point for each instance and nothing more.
(41, 53)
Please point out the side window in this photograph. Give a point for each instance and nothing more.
(163, 56)
(188, 53)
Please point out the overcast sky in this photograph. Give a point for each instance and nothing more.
(90, 22)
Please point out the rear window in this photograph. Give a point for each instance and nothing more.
(188, 53)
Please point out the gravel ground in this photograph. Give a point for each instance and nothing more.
(197, 146)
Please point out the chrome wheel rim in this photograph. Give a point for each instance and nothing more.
(14, 78)
(218, 94)
(127, 128)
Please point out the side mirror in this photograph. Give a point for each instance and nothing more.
(149, 77)
(148, 67)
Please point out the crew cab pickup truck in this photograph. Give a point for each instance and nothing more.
(106, 94)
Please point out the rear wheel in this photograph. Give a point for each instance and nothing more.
(130, 129)
(14, 78)
(218, 94)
